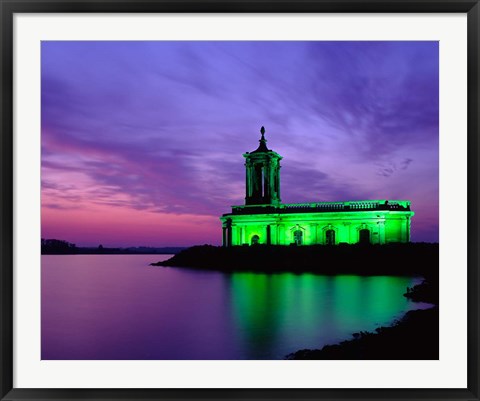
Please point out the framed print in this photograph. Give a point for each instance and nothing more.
(233, 200)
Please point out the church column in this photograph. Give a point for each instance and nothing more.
(229, 232)
(314, 233)
(274, 232)
(257, 190)
(229, 236)
(278, 182)
(283, 234)
(237, 235)
(381, 231)
(404, 229)
(408, 229)
(251, 179)
(247, 180)
(265, 172)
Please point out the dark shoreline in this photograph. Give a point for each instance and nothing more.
(412, 259)
(413, 337)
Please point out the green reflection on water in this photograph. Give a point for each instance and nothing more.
(288, 312)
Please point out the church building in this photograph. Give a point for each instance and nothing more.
(263, 219)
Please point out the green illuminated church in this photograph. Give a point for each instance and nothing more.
(263, 219)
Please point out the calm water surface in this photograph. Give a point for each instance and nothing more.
(119, 307)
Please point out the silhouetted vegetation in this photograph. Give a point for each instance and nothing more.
(61, 247)
(390, 259)
(413, 337)
(58, 247)
(427, 291)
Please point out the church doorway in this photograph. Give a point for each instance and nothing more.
(364, 236)
(255, 240)
(330, 237)
(298, 237)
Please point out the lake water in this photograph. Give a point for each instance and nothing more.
(119, 307)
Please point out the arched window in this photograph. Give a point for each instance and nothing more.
(255, 240)
(364, 236)
(330, 237)
(298, 237)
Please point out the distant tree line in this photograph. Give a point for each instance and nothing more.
(62, 247)
(58, 247)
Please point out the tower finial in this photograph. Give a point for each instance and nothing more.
(262, 131)
(263, 143)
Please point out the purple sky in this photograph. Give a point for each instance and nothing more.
(142, 142)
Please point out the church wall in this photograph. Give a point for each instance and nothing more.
(311, 228)
(396, 229)
(245, 229)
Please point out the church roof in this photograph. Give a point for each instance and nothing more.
(323, 207)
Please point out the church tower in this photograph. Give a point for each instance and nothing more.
(262, 175)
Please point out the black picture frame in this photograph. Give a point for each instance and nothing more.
(8, 8)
